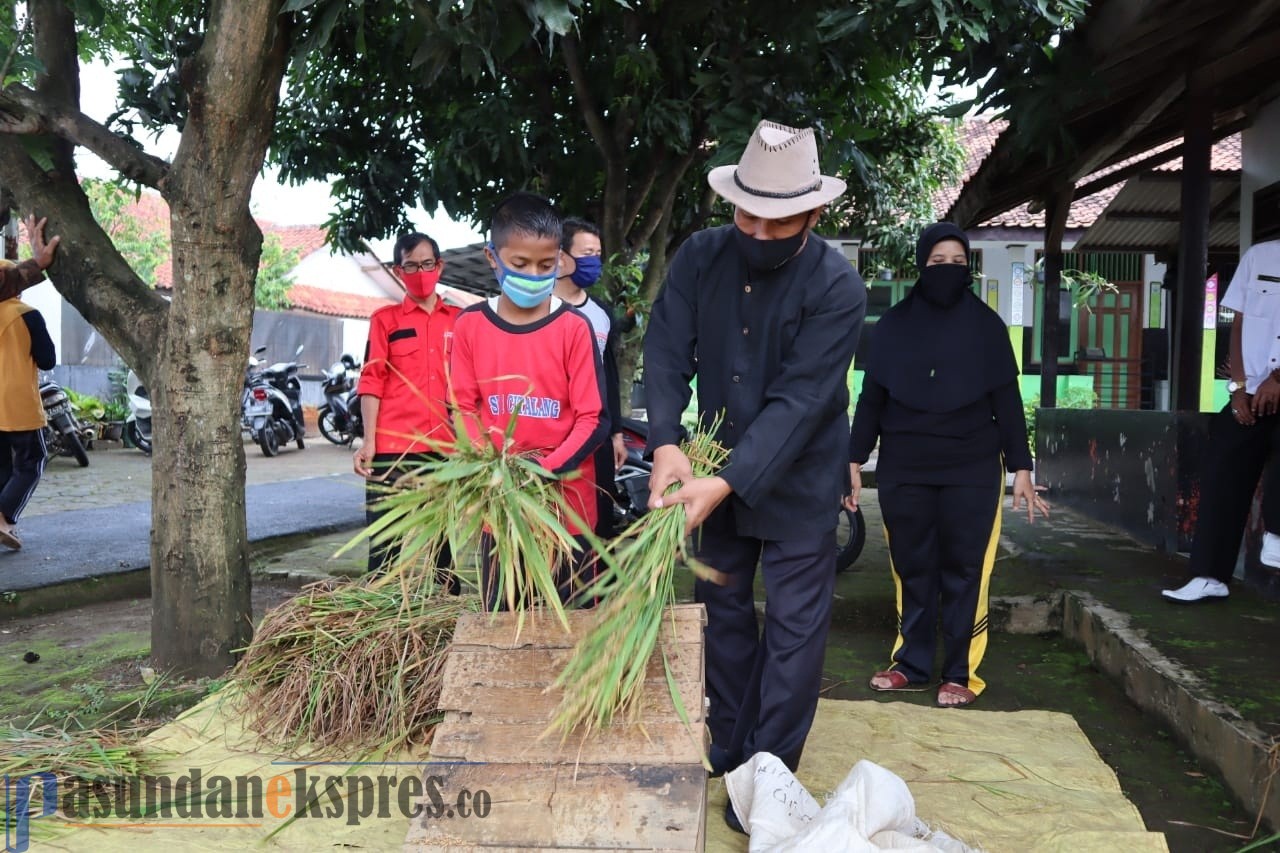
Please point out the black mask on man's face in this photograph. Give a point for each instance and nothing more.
(944, 284)
(766, 255)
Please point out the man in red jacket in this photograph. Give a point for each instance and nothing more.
(404, 391)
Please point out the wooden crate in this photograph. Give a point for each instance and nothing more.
(625, 788)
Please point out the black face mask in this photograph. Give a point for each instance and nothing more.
(944, 284)
(765, 255)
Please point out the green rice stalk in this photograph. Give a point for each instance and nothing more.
(474, 490)
(348, 667)
(604, 679)
(102, 757)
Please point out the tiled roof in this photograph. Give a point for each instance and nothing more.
(978, 136)
(319, 300)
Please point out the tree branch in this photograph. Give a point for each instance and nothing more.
(665, 198)
(58, 84)
(32, 114)
(586, 101)
(615, 169)
(87, 269)
(633, 212)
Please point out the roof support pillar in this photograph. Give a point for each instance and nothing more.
(1056, 209)
(1193, 254)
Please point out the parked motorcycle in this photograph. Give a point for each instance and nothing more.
(272, 404)
(339, 417)
(138, 424)
(632, 488)
(64, 435)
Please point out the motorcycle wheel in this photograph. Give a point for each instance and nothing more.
(75, 447)
(302, 445)
(851, 535)
(268, 440)
(330, 430)
(138, 439)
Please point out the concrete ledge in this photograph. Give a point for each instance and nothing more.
(1026, 614)
(1216, 733)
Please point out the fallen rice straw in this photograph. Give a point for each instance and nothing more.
(350, 667)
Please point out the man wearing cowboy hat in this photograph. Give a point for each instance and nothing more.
(772, 314)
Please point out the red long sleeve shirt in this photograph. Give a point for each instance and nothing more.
(546, 373)
(405, 365)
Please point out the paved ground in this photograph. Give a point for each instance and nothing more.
(88, 522)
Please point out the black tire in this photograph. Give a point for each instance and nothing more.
(328, 423)
(138, 439)
(851, 535)
(268, 440)
(75, 447)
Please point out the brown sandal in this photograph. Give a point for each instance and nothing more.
(9, 539)
(950, 688)
(899, 684)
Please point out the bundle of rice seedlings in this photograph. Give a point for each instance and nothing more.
(350, 667)
(481, 498)
(101, 757)
(603, 681)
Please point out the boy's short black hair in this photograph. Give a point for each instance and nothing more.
(408, 242)
(523, 213)
(572, 228)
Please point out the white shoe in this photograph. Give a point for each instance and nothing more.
(1270, 555)
(1197, 589)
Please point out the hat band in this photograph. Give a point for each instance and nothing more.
(812, 188)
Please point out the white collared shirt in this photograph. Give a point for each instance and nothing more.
(1255, 294)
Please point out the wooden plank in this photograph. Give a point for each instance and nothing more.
(461, 738)
(533, 667)
(543, 630)
(527, 704)
(615, 807)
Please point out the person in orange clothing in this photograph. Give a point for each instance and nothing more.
(404, 390)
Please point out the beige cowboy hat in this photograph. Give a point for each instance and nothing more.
(778, 174)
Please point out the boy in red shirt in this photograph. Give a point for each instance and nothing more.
(404, 392)
(528, 354)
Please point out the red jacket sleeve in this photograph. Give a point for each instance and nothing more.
(373, 376)
(463, 384)
(586, 396)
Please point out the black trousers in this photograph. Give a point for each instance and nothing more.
(382, 557)
(572, 578)
(764, 686)
(605, 490)
(1237, 457)
(942, 547)
(22, 456)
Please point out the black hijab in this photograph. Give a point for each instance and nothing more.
(941, 348)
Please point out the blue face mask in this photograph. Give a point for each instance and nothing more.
(526, 291)
(588, 270)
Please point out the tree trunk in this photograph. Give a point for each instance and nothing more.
(199, 550)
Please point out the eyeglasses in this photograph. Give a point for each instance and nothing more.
(426, 266)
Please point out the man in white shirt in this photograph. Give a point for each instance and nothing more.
(1244, 436)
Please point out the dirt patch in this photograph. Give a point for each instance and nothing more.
(86, 666)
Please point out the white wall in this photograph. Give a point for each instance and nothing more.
(1261, 156)
(48, 301)
(355, 333)
(335, 272)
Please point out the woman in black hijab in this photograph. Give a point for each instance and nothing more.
(941, 395)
